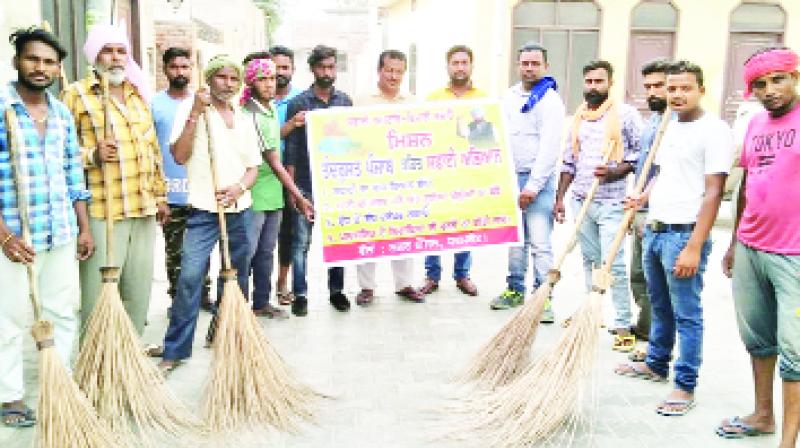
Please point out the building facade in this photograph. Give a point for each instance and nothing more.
(717, 34)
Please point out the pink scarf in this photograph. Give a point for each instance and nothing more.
(778, 60)
(101, 35)
(257, 68)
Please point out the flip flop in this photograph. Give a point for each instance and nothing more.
(687, 406)
(27, 414)
(744, 429)
(154, 351)
(633, 371)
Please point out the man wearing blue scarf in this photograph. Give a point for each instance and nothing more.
(535, 118)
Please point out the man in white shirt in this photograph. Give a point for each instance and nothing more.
(535, 118)
(692, 163)
(236, 154)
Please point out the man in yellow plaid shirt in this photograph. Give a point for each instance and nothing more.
(138, 189)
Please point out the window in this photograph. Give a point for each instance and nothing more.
(653, 27)
(752, 26)
(68, 23)
(569, 30)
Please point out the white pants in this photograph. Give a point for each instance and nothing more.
(59, 297)
(403, 270)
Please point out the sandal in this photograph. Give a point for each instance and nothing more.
(624, 344)
(680, 407)
(741, 429)
(28, 417)
(639, 371)
(271, 312)
(167, 366)
(285, 297)
(154, 351)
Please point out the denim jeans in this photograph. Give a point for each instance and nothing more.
(202, 234)
(676, 306)
(537, 227)
(595, 236)
(462, 261)
(263, 235)
(301, 242)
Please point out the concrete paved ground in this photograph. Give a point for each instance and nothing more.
(388, 365)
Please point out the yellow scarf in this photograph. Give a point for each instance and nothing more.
(613, 138)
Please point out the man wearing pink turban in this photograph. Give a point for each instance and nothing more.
(129, 152)
(764, 255)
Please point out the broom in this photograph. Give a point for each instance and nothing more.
(112, 369)
(507, 354)
(250, 384)
(548, 395)
(65, 416)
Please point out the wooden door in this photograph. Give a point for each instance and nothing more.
(741, 46)
(645, 46)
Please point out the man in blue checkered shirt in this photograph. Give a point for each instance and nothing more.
(47, 162)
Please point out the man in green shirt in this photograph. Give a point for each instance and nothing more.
(267, 192)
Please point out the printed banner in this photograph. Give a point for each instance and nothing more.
(395, 180)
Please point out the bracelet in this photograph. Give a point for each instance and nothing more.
(8, 237)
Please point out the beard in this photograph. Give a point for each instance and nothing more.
(459, 81)
(594, 97)
(116, 75)
(282, 80)
(324, 82)
(656, 104)
(179, 82)
(30, 85)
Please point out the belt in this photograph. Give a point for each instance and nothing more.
(660, 227)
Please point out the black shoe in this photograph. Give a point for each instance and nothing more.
(340, 302)
(300, 306)
(206, 304)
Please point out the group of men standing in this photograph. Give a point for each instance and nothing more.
(156, 154)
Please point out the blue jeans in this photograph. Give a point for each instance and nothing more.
(675, 306)
(202, 234)
(537, 226)
(263, 235)
(301, 242)
(595, 236)
(462, 261)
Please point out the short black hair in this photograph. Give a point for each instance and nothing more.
(532, 46)
(175, 52)
(22, 37)
(459, 49)
(659, 65)
(256, 55)
(679, 67)
(766, 50)
(391, 54)
(320, 53)
(283, 51)
(594, 65)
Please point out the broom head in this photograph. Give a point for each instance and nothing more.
(250, 385)
(121, 381)
(65, 416)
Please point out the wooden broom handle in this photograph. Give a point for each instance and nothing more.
(107, 135)
(573, 239)
(641, 182)
(223, 226)
(22, 208)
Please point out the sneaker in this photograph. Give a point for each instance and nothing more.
(547, 315)
(300, 306)
(339, 301)
(508, 299)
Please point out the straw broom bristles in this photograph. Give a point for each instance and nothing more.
(250, 384)
(65, 418)
(120, 380)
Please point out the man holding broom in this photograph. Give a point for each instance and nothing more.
(50, 164)
(234, 141)
(692, 163)
(132, 158)
(602, 130)
(535, 116)
(764, 253)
